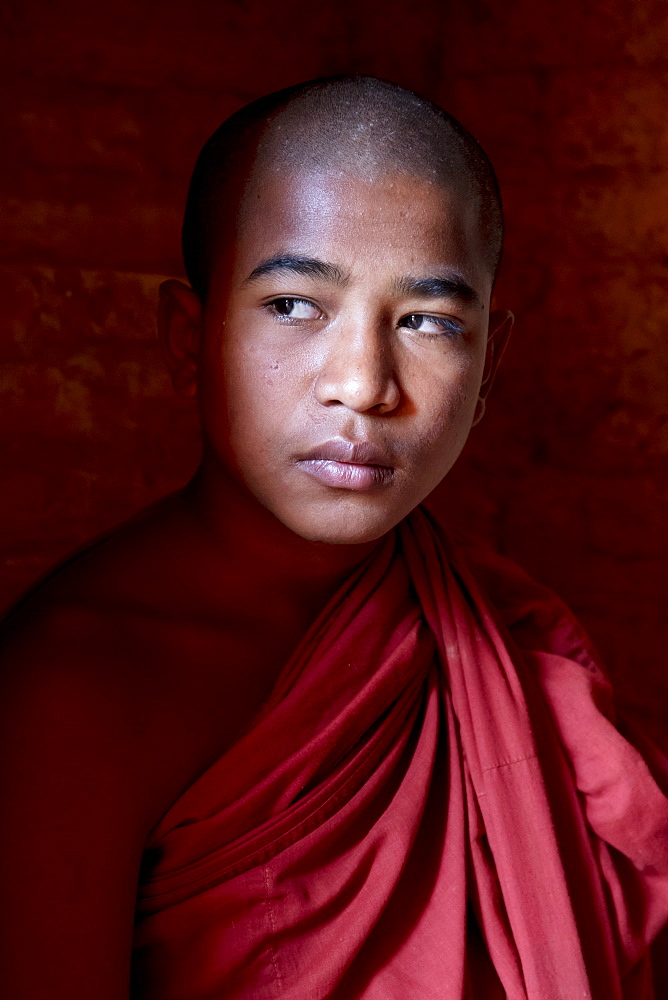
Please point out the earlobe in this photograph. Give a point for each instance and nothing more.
(500, 325)
(180, 331)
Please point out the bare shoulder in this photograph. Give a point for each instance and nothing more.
(77, 619)
(133, 647)
(85, 654)
(81, 781)
(68, 696)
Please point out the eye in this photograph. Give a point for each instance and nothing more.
(431, 326)
(288, 307)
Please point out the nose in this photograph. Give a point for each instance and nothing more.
(358, 368)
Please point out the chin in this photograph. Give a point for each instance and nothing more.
(342, 526)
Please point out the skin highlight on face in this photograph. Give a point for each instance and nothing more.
(342, 346)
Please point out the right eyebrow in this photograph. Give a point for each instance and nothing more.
(306, 267)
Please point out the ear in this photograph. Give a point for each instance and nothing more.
(180, 332)
(500, 324)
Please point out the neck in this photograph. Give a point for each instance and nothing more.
(234, 528)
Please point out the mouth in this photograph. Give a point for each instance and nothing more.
(348, 465)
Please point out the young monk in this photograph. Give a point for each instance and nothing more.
(277, 737)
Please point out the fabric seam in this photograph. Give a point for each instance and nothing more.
(272, 927)
(507, 763)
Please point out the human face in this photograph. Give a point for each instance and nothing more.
(344, 345)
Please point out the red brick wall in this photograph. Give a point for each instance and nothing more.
(106, 105)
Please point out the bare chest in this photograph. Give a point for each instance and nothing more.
(195, 689)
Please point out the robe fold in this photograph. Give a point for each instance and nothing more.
(435, 802)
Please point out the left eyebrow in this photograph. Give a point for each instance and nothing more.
(306, 267)
(453, 287)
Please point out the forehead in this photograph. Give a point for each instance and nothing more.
(364, 219)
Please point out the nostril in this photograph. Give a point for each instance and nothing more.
(358, 393)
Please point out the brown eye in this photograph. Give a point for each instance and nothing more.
(289, 307)
(431, 326)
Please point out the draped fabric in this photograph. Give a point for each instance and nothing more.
(434, 803)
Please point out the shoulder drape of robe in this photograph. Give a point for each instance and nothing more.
(435, 802)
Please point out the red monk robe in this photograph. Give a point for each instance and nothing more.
(434, 803)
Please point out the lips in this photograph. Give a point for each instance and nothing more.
(351, 465)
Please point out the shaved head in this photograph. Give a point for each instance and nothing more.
(347, 124)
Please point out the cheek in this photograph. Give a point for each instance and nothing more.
(447, 417)
(258, 393)
(450, 398)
